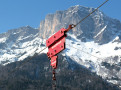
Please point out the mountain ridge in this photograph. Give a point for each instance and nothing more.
(97, 21)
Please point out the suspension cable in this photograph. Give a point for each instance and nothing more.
(85, 52)
(90, 13)
(35, 54)
(23, 63)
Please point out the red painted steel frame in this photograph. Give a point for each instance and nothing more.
(55, 37)
(57, 47)
(56, 44)
(54, 62)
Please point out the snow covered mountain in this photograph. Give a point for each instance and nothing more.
(98, 27)
(104, 59)
(18, 44)
(94, 44)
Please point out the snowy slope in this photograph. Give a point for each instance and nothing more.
(104, 59)
(18, 44)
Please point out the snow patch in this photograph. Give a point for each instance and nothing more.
(101, 31)
(2, 40)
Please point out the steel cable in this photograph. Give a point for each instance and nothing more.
(23, 63)
(84, 52)
(90, 13)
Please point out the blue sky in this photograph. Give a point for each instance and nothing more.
(17, 13)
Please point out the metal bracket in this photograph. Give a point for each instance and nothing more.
(54, 62)
(56, 44)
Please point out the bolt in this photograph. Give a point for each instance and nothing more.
(61, 31)
(54, 50)
(48, 54)
(54, 36)
(61, 46)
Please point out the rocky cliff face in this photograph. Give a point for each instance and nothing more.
(90, 29)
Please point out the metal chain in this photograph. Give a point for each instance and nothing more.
(54, 80)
